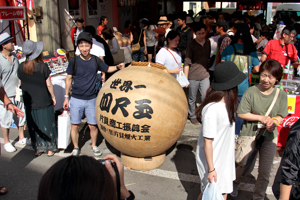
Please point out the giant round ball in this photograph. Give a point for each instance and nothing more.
(141, 110)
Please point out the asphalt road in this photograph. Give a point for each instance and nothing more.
(177, 178)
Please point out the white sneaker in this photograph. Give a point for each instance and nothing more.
(24, 142)
(9, 147)
(96, 151)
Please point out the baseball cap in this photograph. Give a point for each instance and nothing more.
(86, 37)
(79, 19)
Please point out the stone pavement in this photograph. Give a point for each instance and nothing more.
(177, 178)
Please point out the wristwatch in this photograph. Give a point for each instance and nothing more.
(131, 197)
(117, 66)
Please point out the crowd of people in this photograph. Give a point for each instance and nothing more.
(217, 53)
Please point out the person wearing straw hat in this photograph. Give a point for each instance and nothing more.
(215, 148)
(39, 99)
(163, 22)
(9, 65)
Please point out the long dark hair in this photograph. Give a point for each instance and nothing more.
(77, 177)
(29, 64)
(243, 32)
(213, 96)
(160, 42)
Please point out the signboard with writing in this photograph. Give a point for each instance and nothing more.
(141, 111)
(288, 121)
(12, 13)
(291, 104)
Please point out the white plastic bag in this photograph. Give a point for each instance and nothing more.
(212, 192)
(181, 78)
(64, 130)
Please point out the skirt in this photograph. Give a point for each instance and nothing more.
(42, 128)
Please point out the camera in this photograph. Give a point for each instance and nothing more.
(102, 161)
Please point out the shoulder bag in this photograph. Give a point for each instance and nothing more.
(244, 145)
(136, 47)
(119, 57)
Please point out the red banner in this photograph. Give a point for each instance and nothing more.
(287, 123)
(12, 13)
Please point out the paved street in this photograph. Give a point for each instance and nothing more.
(177, 178)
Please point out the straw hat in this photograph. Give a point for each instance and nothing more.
(163, 20)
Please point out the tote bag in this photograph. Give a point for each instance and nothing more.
(64, 130)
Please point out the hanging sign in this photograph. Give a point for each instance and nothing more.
(12, 13)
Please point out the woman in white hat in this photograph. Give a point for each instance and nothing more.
(39, 98)
(215, 149)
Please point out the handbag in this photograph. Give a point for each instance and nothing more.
(244, 145)
(64, 130)
(119, 57)
(136, 47)
(181, 78)
(212, 192)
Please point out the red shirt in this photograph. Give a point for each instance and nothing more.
(275, 50)
(99, 29)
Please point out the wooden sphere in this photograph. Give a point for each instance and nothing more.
(141, 111)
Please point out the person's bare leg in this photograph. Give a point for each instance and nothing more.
(93, 133)
(224, 196)
(149, 57)
(21, 132)
(75, 134)
(5, 133)
(200, 196)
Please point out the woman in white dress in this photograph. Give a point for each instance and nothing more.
(215, 149)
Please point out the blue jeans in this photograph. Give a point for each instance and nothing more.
(239, 121)
(139, 56)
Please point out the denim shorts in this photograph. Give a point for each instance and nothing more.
(78, 107)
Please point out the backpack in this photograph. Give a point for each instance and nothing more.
(242, 61)
(98, 83)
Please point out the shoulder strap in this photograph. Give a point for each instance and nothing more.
(273, 102)
(234, 49)
(172, 55)
(140, 35)
(74, 66)
(96, 63)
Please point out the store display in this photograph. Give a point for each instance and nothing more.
(57, 64)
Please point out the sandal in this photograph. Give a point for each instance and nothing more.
(51, 153)
(3, 190)
(39, 153)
